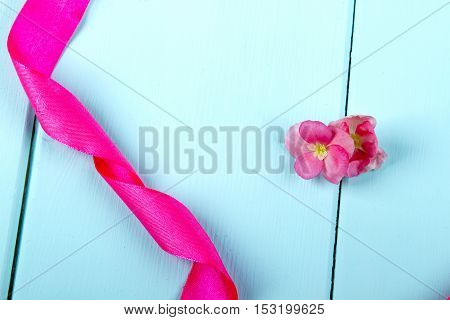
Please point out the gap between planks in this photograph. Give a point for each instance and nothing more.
(333, 268)
(22, 207)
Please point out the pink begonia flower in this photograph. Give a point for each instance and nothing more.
(318, 148)
(367, 155)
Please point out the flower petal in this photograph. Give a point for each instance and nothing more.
(340, 124)
(377, 161)
(308, 166)
(369, 141)
(372, 120)
(358, 163)
(294, 143)
(343, 139)
(352, 122)
(335, 164)
(356, 167)
(315, 132)
(365, 128)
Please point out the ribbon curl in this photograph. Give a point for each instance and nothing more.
(35, 43)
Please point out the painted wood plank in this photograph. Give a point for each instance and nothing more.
(16, 123)
(402, 211)
(209, 63)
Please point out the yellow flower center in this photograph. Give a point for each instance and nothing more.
(356, 140)
(320, 150)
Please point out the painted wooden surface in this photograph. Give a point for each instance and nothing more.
(402, 212)
(215, 63)
(16, 122)
(208, 63)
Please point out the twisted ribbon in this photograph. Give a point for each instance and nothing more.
(36, 41)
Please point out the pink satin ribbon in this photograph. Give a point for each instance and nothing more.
(36, 41)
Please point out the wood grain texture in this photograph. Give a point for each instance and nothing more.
(209, 63)
(16, 122)
(402, 211)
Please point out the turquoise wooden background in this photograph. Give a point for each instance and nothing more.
(64, 234)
